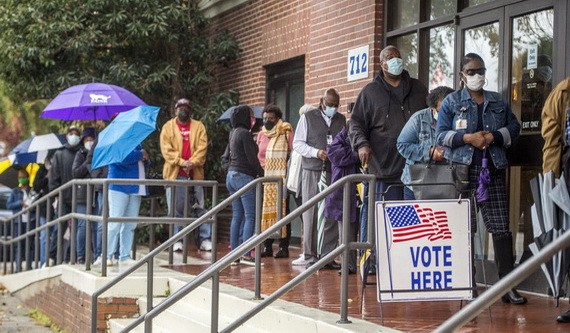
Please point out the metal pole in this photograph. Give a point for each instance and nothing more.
(531, 265)
(345, 241)
(88, 227)
(73, 226)
(105, 227)
(216, 275)
(60, 231)
(258, 206)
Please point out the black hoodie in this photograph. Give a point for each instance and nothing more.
(61, 169)
(243, 150)
(378, 117)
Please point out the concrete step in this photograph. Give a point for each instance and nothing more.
(192, 314)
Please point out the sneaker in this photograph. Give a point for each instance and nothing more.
(206, 245)
(178, 246)
(300, 261)
(99, 262)
(235, 263)
(127, 262)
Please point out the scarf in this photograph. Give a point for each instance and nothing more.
(275, 166)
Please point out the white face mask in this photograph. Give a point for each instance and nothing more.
(434, 112)
(73, 140)
(475, 82)
(330, 111)
(88, 145)
(395, 66)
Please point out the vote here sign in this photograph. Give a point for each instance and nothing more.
(423, 250)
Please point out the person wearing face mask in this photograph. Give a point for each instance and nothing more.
(417, 139)
(81, 171)
(380, 112)
(243, 167)
(474, 124)
(184, 143)
(324, 123)
(275, 142)
(60, 173)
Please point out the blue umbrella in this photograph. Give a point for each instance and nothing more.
(257, 111)
(123, 134)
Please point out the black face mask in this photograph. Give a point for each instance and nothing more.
(268, 124)
(183, 115)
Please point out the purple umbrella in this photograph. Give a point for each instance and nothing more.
(482, 193)
(92, 101)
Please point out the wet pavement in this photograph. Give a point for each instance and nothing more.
(322, 291)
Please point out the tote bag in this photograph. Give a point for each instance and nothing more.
(294, 172)
(438, 181)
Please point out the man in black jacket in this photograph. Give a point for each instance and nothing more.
(61, 173)
(380, 112)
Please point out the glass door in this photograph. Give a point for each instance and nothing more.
(531, 41)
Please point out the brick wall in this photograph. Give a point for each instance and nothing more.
(271, 31)
(70, 309)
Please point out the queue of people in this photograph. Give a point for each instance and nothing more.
(395, 123)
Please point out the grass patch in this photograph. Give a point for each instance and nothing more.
(43, 320)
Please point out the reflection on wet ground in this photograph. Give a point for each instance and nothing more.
(322, 291)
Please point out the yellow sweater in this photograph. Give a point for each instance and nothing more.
(171, 148)
(554, 126)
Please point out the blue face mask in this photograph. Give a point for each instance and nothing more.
(395, 66)
(329, 111)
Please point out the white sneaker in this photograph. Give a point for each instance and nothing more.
(127, 262)
(99, 262)
(300, 261)
(178, 246)
(206, 245)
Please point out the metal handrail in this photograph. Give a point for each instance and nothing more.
(506, 283)
(214, 270)
(148, 259)
(57, 193)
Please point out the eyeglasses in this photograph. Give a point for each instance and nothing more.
(471, 72)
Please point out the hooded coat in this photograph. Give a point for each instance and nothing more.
(242, 148)
(377, 119)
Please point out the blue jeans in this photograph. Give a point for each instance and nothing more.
(122, 205)
(43, 238)
(81, 208)
(98, 227)
(243, 208)
(395, 193)
(205, 230)
(409, 194)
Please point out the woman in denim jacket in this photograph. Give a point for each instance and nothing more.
(417, 139)
(473, 122)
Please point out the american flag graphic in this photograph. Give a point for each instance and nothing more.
(411, 222)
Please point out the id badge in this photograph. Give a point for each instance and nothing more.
(329, 140)
(461, 124)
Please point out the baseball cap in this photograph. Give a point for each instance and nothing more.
(182, 102)
(73, 128)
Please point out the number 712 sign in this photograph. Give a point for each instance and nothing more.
(357, 64)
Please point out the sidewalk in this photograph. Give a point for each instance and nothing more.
(14, 316)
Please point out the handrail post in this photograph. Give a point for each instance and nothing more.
(59, 255)
(73, 226)
(345, 241)
(88, 227)
(216, 276)
(104, 228)
(258, 211)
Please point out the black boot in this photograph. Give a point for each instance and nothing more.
(504, 260)
(267, 248)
